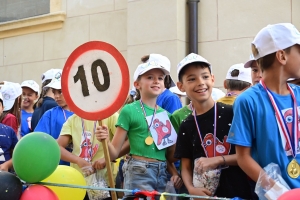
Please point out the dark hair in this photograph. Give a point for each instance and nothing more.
(43, 93)
(15, 110)
(202, 65)
(236, 84)
(266, 61)
(167, 80)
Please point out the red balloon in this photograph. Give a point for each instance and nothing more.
(38, 192)
(292, 194)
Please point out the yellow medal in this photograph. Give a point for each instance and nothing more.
(149, 140)
(293, 169)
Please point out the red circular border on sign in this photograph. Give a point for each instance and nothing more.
(118, 102)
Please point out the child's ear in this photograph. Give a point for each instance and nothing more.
(180, 86)
(224, 84)
(281, 56)
(213, 78)
(136, 85)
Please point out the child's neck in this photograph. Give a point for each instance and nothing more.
(276, 81)
(203, 107)
(29, 110)
(233, 92)
(151, 102)
(66, 108)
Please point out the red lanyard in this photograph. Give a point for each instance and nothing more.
(215, 130)
(90, 148)
(291, 138)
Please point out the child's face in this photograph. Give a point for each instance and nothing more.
(256, 73)
(151, 83)
(293, 61)
(197, 82)
(59, 97)
(28, 97)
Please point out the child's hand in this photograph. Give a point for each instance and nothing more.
(206, 164)
(4, 167)
(99, 164)
(177, 181)
(102, 133)
(199, 192)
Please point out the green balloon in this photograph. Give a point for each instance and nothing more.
(35, 157)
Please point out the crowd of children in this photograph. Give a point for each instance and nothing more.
(220, 146)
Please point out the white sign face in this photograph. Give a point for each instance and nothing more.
(162, 131)
(95, 80)
(93, 99)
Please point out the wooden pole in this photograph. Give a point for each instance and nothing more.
(108, 166)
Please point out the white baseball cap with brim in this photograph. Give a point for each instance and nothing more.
(175, 90)
(145, 67)
(273, 38)
(32, 85)
(49, 75)
(249, 62)
(191, 58)
(55, 82)
(163, 61)
(244, 73)
(10, 92)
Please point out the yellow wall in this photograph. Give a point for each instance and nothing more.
(140, 27)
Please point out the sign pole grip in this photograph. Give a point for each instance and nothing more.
(108, 166)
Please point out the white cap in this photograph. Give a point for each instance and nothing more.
(32, 85)
(143, 68)
(49, 75)
(1, 96)
(164, 62)
(249, 62)
(275, 37)
(217, 94)
(55, 82)
(175, 90)
(192, 57)
(244, 73)
(10, 91)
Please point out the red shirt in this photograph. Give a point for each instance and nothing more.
(11, 120)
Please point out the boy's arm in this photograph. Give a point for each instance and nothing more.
(175, 175)
(247, 163)
(63, 141)
(6, 165)
(187, 176)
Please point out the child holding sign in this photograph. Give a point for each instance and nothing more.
(149, 132)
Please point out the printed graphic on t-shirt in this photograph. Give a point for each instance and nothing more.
(222, 148)
(87, 151)
(2, 158)
(29, 122)
(288, 118)
(162, 131)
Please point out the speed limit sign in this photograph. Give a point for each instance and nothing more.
(95, 80)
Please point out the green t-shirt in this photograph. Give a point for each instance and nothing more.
(132, 120)
(178, 116)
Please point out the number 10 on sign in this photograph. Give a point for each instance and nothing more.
(80, 75)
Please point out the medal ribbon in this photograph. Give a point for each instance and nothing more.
(290, 137)
(64, 114)
(145, 115)
(215, 130)
(90, 149)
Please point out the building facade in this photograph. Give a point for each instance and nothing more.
(30, 46)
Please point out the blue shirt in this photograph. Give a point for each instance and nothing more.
(25, 123)
(52, 121)
(169, 101)
(47, 104)
(8, 141)
(254, 125)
